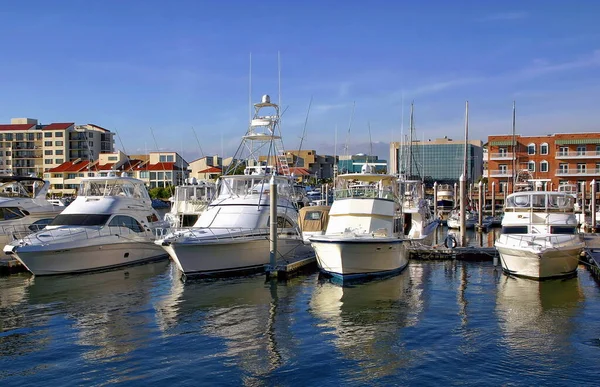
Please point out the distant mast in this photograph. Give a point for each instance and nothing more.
(514, 145)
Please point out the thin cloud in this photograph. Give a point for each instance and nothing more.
(504, 16)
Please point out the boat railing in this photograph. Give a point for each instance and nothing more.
(79, 233)
(232, 233)
(364, 193)
(541, 241)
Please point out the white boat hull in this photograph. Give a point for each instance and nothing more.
(51, 260)
(231, 256)
(522, 256)
(355, 257)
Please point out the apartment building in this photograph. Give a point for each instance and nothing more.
(544, 161)
(157, 169)
(304, 163)
(29, 147)
(355, 163)
(206, 168)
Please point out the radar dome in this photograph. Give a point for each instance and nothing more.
(266, 99)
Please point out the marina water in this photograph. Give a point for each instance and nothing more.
(437, 323)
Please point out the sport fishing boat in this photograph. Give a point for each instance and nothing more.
(110, 224)
(364, 234)
(419, 222)
(539, 235)
(232, 235)
(23, 205)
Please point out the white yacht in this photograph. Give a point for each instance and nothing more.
(110, 224)
(539, 235)
(23, 205)
(364, 233)
(232, 234)
(188, 202)
(445, 201)
(419, 222)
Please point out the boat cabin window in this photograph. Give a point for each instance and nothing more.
(126, 221)
(563, 230)
(113, 187)
(514, 230)
(251, 185)
(152, 218)
(282, 222)
(313, 215)
(80, 220)
(11, 213)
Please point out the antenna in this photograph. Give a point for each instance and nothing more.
(400, 159)
(514, 145)
(335, 152)
(198, 141)
(370, 143)
(123, 146)
(158, 150)
(279, 80)
(466, 139)
(250, 90)
(304, 130)
(349, 127)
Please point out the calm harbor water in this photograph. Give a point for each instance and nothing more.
(437, 323)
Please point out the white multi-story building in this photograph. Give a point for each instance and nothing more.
(28, 147)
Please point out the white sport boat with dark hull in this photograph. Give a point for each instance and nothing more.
(232, 234)
(23, 207)
(363, 237)
(110, 224)
(539, 235)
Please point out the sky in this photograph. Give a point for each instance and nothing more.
(175, 75)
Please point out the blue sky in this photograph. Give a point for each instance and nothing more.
(176, 65)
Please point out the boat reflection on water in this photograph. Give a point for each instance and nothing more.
(367, 319)
(241, 320)
(108, 310)
(537, 316)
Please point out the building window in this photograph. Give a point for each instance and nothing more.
(8, 137)
(581, 168)
(503, 152)
(563, 151)
(597, 169)
(48, 161)
(544, 149)
(597, 150)
(48, 152)
(531, 149)
(71, 175)
(59, 152)
(58, 134)
(143, 174)
(58, 143)
(20, 136)
(47, 143)
(90, 135)
(581, 150)
(563, 168)
(152, 175)
(503, 169)
(90, 174)
(544, 166)
(531, 166)
(91, 143)
(48, 134)
(59, 161)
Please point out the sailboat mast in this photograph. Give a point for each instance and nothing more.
(466, 140)
(410, 141)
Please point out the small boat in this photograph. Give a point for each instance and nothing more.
(419, 222)
(539, 235)
(364, 234)
(24, 207)
(110, 224)
(471, 219)
(189, 202)
(445, 201)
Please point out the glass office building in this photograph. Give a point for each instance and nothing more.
(441, 160)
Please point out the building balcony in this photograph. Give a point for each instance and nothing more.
(506, 173)
(578, 155)
(500, 156)
(578, 172)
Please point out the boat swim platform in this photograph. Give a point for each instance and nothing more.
(469, 253)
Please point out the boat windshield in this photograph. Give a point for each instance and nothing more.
(14, 189)
(80, 220)
(113, 187)
(241, 186)
(541, 201)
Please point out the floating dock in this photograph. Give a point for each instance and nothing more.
(591, 254)
(469, 253)
(291, 267)
(10, 265)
